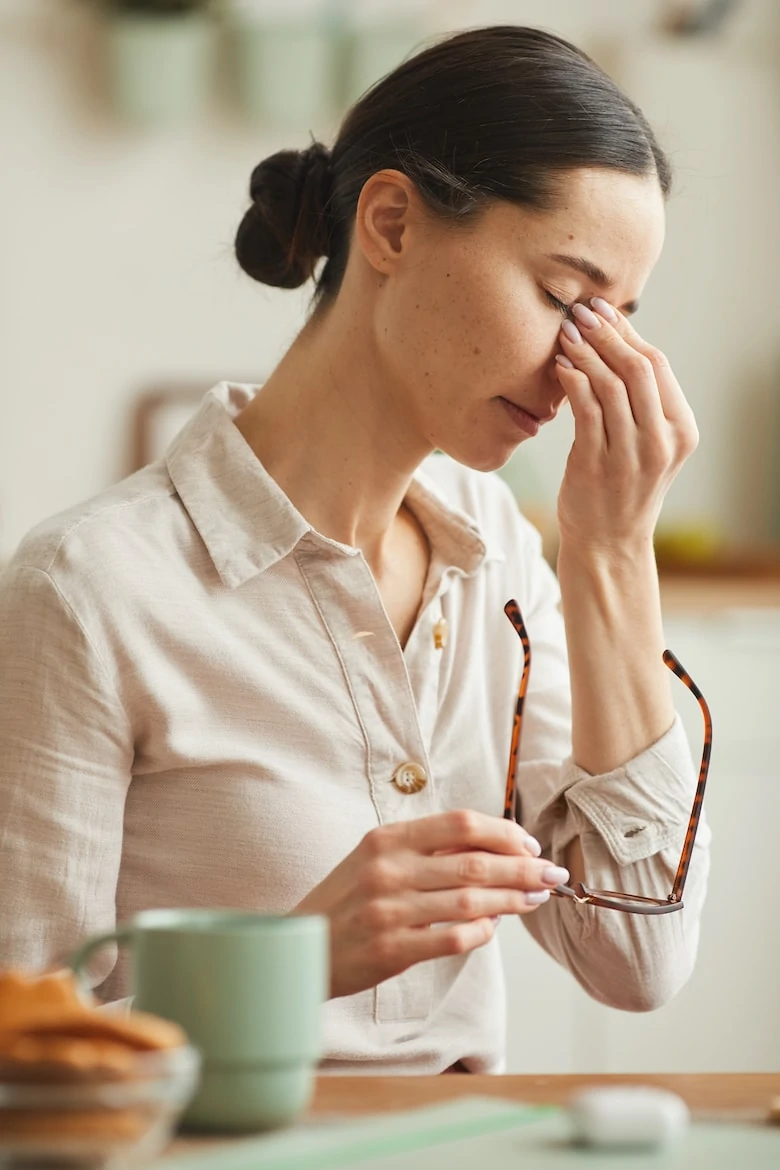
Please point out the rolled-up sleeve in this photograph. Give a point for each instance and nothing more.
(631, 823)
(65, 766)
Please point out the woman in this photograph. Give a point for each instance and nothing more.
(272, 670)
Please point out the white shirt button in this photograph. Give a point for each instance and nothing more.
(410, 777)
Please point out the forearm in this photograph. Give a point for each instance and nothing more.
(621, 694)
(618, 828)
(622, 819)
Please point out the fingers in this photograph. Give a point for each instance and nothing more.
(476, 870)
(421, 944)
(590, 432)
(622, 379)
(467, 905)
(394, 913)
(624, 373)
(673, 402)
(423, 889)
(390, 872)
(459, 830)
(627, 331)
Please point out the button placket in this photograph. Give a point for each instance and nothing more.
(349, 604)
(426, 664)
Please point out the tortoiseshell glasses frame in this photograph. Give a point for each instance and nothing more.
(611, 899)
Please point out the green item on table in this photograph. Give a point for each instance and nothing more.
(248, 989)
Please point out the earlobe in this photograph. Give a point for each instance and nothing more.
(382, 219)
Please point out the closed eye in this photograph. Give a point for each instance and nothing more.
(563, 309)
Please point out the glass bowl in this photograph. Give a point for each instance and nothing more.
(96, 1123)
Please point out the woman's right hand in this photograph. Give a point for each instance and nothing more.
(463, 869)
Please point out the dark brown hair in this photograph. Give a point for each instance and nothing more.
(495, 113)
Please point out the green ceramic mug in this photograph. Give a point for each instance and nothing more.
(248, 989)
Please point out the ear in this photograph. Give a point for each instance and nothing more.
(386, 210)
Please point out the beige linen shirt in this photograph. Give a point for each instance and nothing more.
(203, 703)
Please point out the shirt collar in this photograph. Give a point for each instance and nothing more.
(246, 521)
(455, 537)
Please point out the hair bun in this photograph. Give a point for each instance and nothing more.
(287, 229)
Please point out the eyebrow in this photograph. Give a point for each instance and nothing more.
(594, 273)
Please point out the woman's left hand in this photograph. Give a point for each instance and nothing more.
(633, 431)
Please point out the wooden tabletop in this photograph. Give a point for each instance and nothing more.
(741, 1096)
(710, 1092)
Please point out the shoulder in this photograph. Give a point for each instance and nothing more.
(487, 500)
(107, 538)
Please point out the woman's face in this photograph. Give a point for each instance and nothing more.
(467, 318)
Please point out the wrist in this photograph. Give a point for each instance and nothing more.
(621, 561)
(614, 590)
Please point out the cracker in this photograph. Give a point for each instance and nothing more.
(137, 1030)
(39, 997)
(85, 1056)
(52, 1004)
(53, 1038)
(49, 1034)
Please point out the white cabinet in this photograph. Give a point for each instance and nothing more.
(728, 1016)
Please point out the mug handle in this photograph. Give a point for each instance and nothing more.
(77, 962)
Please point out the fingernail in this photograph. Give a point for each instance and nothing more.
(533, 845)
(586, 317)
(562, 360)
(538, 897)
(571, 331)
(555, 875)
(604, 307)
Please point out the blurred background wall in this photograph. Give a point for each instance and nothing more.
(117, 277)
(116, 270)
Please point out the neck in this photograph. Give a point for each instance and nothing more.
(337, 433)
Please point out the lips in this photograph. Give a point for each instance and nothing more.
(540, 418)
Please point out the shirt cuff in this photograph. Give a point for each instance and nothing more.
(637, 809)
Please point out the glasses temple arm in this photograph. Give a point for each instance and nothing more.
(677, 668)
(512, 611)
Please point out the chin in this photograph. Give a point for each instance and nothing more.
(492, 459)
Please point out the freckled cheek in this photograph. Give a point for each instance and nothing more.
(466, 332)
(423, 331)
(532, 337)
(490, 316)
(474, 333)
(503, 344)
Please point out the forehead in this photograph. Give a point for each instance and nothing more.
(612, 219)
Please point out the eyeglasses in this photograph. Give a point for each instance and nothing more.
(611, 899)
